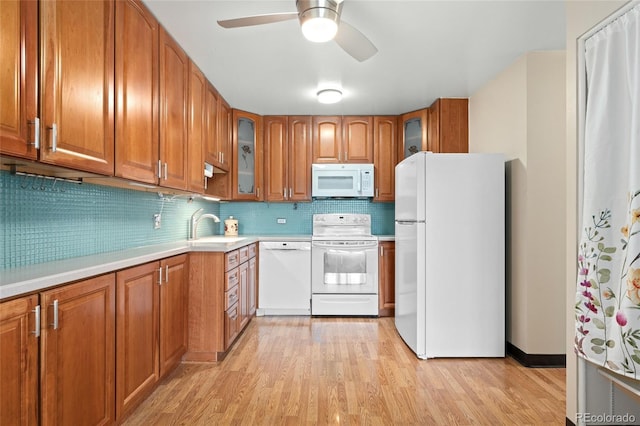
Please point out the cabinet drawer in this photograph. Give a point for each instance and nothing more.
(231, 297)
(231, 278)
(231, 260)
(252, 250)
(230, 325)
(244, 254)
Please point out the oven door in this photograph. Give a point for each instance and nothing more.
(344, 266)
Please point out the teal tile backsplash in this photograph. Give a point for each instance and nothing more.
(42, 222)
(261, 218)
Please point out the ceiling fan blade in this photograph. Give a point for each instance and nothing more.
(248, 21)
(354, 42)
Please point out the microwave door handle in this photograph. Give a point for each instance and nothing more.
(360, 182)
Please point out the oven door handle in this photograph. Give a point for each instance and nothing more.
(360, 246)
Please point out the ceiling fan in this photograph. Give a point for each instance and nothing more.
(320, 22)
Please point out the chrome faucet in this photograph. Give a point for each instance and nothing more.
(195, 220)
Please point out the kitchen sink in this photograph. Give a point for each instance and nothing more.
(218, 239)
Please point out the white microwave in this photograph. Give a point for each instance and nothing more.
(342, 180)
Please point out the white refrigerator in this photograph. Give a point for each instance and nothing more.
(450, 254)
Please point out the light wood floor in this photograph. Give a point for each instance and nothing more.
(300, 370)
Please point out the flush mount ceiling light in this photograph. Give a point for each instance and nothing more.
(329, 96)
(319, 20)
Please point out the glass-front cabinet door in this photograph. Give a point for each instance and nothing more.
(413, 133)
(247, 150)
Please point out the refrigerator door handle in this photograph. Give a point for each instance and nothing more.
(409, 222)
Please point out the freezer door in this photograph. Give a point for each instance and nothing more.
(409, 282)
(410, 188)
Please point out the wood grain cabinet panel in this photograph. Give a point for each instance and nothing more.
(448, 129)
(288, 156)
(357, 139)
(78, 353)
(137, 93)
(19, 360)
(77, 84)
(211, 141)
(173, 312)
(19, 78)
(386, 277)
(197, 128)
(385, 131)
(327, 139)
(137, 319)
(174, 95)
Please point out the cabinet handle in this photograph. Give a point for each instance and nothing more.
(159, 169)
(284, 193)
(205, 182)
(381, 251)
(166, 273)
(166, 171)
(54, 137)
(160, 275)
(36, 133)
(36, 330)
(258, 192)
(222, 157)
(290, 193)
(55, 315)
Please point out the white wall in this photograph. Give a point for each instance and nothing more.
(521, 113)
(581, 16)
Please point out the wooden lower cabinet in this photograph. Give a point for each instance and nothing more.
(137, 319)
(173, 311)
(386, 279)
(78, 353)
(220, 300)
(19, 361)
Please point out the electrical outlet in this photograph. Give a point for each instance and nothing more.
(157, 221)
(281, 220)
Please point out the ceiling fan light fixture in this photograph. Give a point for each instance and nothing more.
(319, 24)
(329, 96)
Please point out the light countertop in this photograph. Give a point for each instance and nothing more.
(29, 279)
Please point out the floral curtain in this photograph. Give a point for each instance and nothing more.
(608, 288)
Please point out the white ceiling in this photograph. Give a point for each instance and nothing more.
(426, 50)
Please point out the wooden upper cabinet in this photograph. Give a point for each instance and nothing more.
(77, 84)
(385, 131)
(19, 355)
(300, 158)
(327, 139)
(19, 78)
(247, 161)
(197, 128)
(342, 139)
(275, 155)
(357, 140)
(449, 125)
(78, 331)
(412, 133)
(137, 93)
(224, 134)
(174, 95)
(287, 147)
(210, 143)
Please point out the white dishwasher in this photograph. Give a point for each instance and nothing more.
(284, 284)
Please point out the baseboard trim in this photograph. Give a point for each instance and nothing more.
(536, 360)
